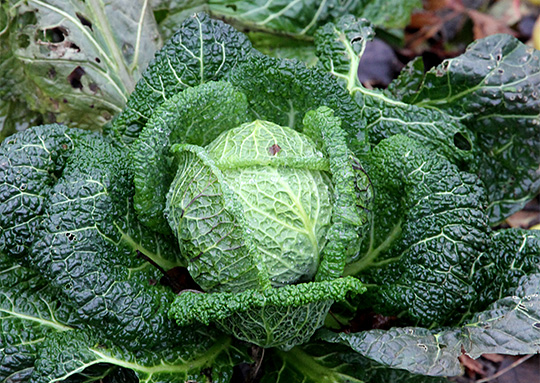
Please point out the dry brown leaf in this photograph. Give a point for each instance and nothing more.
(472, 366)
(495, 358)
(522, 219)
(486, 25)
(422, 19)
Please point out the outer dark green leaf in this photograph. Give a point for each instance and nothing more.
(493, 89)
(409, 80)
(88, 214)
(196, 116)
(512, 254)
(202, 50)
(511, 325)
(29, 313)
(429, 231)
(66, 200)
(340, 47)
(414, 349)
(435, 130)
(318, 362)
(76, 61)
(202, 357)
(29, 164)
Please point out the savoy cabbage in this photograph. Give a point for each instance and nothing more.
(295, 198)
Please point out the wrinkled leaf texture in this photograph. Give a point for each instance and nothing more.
(427, 235)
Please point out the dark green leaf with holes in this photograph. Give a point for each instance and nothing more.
(492, 89)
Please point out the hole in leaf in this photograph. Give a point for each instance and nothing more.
(208, 373)
(462, 142)
(160, 15)
(55, 35)
(74, 46)
(74, 78)
(23, 41)
(84, 21)
(231, 6)
(358, 39)
(51, 73)
(536, 325)
(97, 60)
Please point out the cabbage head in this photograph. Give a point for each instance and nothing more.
(262, 213)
